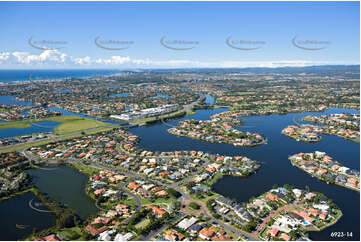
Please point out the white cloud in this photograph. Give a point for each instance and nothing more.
(46, 57)
(51, 58)
(4, 56)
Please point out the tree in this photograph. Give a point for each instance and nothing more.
(173, 192)
(194, 206)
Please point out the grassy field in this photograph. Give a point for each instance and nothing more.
(73, 123)
(15, 124)
(244, 93)
(146, 201)
(142, 224)
(68, 123)
(46, 141)
(89, 170)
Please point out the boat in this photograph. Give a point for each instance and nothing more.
(21, 226)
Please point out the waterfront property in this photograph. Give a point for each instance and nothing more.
(219, 129)
(142, 189)
(146, 113)
(322, 166)
(343, 125)
(281, 213)
(305, 132)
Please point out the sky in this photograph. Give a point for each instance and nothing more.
(60, 35)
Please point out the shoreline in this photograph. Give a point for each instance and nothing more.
(319, 178)
(252, 145)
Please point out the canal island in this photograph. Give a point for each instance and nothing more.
(322, 166)
(219, 129)
(346, 126)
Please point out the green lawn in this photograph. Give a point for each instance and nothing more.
(245, 93)
(90, 170)
(46, 141)
(68, 123)
(73, 233)
(146, 201)
(76, 124)
(15, 124)
(143, 223)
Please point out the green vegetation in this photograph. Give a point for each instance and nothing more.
(153, 200)
(142, 224)
(173, 192)
(32, 189)
(73, 123)
(62, 137)
(89, 170)
(194, 206)
(74, 233)
(357, 139)
(15, 124)
(65, 217)
(68, 123)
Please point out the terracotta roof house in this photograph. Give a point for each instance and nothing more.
(285, 237)
(173, 235)
(271, 196)
(133, 185)
(273, 232)
(158, 211)
(94, 231)
(207, 233)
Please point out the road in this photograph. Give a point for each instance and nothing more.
(184, 198)
(136, 198)
(54, 137)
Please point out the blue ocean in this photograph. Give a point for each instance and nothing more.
(24, 75)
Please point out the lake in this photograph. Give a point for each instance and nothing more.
(123, 94)
(66, 185)
(16, 210)
(8, 100)
(37, 127)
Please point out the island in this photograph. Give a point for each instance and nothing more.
(343, 125)
(218, 129)
(322, 166)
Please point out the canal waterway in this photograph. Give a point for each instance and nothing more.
(276, 168)
(67, 185)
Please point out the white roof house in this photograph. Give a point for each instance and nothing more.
(126, 237)
(106, 235)
(186, 223)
